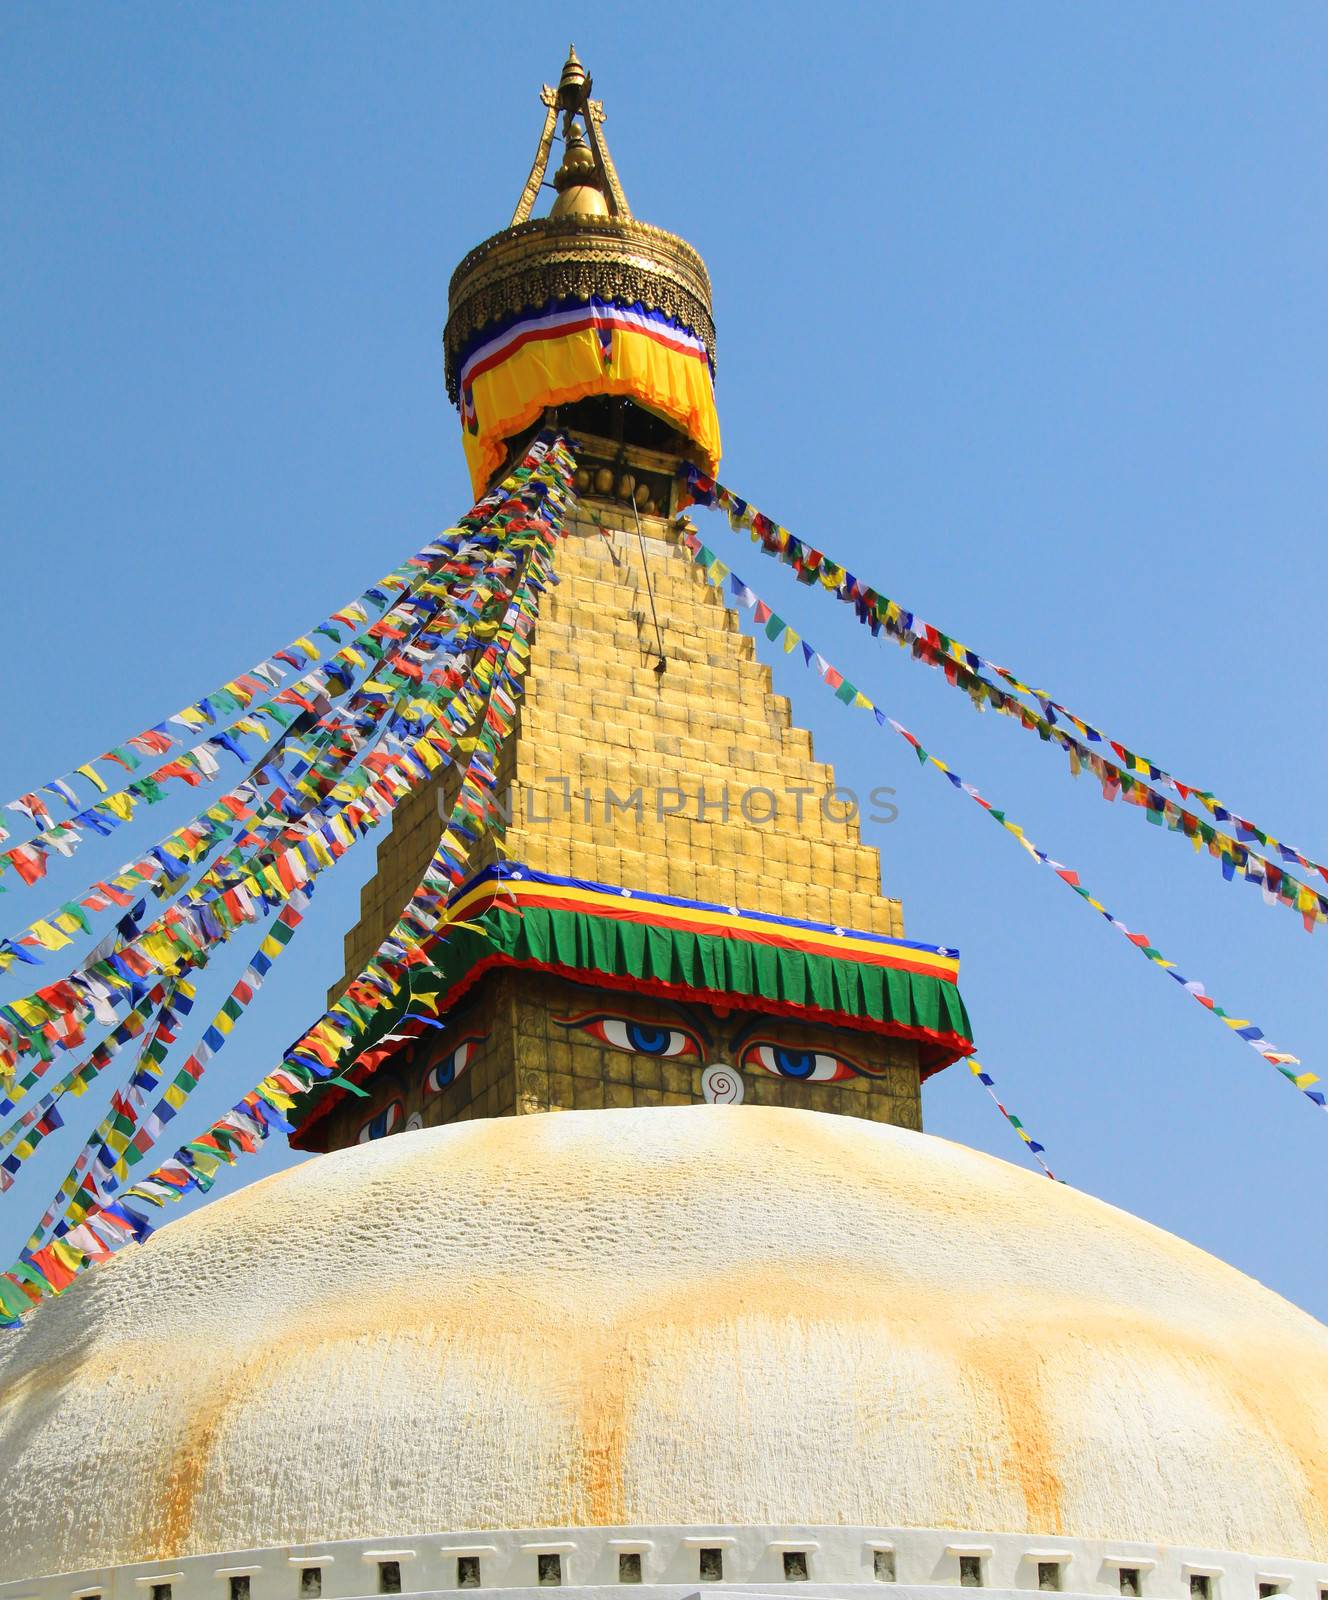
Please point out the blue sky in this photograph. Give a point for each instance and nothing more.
(1021, 313)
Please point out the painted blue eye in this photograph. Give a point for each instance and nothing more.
(647, 1040)
(453, 1064)
(380, 1126)
(808, 1066)
(641, 1038)
(794, 1063)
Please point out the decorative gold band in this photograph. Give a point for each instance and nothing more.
(554, 258)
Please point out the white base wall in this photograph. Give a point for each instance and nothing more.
(837, 1559)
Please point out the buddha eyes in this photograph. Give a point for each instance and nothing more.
(808, 1066)
(444, 1071)
(757, 1055)
(454, 1063)
(640, 1038)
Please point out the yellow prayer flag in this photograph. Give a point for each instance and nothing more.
(67, 1255)
(92, 775)
(157, 948)
(318, 845)
(32, 1012)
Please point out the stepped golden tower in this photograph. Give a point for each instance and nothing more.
(729, 1318)
(651, 753)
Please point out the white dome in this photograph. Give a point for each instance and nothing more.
(694, 1315)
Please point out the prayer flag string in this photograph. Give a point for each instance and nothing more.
(485, 701)
(53, 1018)
(386, 644)
(500, 565)
(1035, 1149)
(1124, 773)
(77, 1081)
(119, 1142)
(129, 1130)
(849, 694)
(216, 706)
(380, 983)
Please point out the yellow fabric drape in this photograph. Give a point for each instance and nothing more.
(513, 394)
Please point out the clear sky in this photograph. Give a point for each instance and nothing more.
(1021, 313)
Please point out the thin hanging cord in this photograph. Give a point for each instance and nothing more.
(645, 569)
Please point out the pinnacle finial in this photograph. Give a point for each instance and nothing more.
(572, 85)
(587, 182)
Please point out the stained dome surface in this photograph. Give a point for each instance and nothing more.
(660, 1316)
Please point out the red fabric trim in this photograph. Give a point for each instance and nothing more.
(582, 324)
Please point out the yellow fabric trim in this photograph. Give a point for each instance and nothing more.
(721, 921)
(548, 372)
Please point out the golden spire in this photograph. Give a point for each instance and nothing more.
(587, 249)
(583, 120)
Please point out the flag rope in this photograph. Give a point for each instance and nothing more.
(1129, 774)
(849, 694)
(314, 695)
(56, 1005)
(89, 1232)
(235, 694)
(1035, 1149)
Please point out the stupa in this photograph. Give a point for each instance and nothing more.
(728, 1316)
